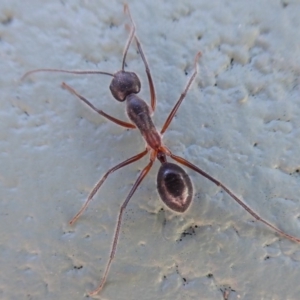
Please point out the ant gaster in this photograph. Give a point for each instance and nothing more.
(174, 185)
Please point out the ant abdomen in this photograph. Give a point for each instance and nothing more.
(174, 187)
(123, 84)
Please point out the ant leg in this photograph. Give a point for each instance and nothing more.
(99, 111)
(231, 194)
(117, 230)
(100, 182)
(182, 96)
(150, 81)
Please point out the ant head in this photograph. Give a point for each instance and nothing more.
(123, 84)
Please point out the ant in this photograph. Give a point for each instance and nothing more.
(173, 183)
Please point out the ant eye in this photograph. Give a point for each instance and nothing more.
(124, 84)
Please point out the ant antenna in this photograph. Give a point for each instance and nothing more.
(66, 71)
(126, 9)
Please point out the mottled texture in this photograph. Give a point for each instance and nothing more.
(240, 123)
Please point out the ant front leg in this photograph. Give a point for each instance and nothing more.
(150, 81)
(99, 111)
(147, 69)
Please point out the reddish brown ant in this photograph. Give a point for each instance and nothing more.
(173, 183)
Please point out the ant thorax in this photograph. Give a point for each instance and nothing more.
(139, 113)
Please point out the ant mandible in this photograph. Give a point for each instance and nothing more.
(173, 183)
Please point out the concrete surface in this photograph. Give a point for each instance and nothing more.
(240, 122)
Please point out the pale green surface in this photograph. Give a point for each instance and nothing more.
(53, 149)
